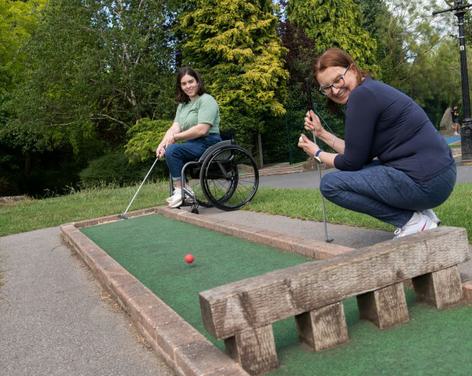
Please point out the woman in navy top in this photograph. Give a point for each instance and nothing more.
(393, 164)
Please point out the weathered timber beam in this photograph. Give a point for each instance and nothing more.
(260, 301)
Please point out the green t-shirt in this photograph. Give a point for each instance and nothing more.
(202, 110)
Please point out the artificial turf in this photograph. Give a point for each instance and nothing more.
(152, 249)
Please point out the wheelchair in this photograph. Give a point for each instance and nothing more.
(225, 176)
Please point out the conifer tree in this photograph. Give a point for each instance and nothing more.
(234, 43)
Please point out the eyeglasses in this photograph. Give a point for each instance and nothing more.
(337, 83)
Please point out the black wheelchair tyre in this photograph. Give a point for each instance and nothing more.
(229, 177)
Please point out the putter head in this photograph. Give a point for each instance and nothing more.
(123, 216)
(329, 240)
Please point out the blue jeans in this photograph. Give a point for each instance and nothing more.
(179, 154)
(386, 193)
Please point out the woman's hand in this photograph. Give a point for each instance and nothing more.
(307, 145)
(313, 124)
(168, 139)
(160, 151)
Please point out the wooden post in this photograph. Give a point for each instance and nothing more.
(262, 300)
(242, 312)
(254, 349)
(259, 153)
(323, 328)
(441, 288)
(385, 307)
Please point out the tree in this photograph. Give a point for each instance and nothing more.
(384, 27)
(429, 72)
(18, 19)
(111, 69)
(299, 62)
(435, 82)
(235, 44)
(93, 69)
(335, 23)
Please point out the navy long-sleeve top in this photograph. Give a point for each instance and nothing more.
(383, 122)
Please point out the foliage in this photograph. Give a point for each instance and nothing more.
(384, 27)
(114, 168)
(48, 107)
(18, 20)
(281, 142)
(77, 76)
(335, 23)
(144, 137)
(235, 43)
(437, 84)
(89, 76)
(429, 72)
(111, 69)
(413, 53)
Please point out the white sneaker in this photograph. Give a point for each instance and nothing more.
(417, 223)
(176, 201)
(432, 215)
(176, 191)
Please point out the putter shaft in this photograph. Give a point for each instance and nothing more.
(142, 183)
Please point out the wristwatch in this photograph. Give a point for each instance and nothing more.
(317, 155)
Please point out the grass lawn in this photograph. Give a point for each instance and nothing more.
(295, 203)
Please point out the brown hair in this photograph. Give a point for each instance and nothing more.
(335, 57)
(180, 95)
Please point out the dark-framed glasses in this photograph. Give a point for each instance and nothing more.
(337, 83)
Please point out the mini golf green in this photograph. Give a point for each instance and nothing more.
(152, 248)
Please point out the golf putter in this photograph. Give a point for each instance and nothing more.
(124, 215)
(323, 204)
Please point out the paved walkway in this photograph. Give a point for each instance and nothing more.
(55, 320)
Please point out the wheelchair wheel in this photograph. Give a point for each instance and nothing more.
(229, 177)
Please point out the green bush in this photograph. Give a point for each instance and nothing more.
(115, 169)
(144, 136)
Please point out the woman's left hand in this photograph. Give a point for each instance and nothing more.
(307, 145)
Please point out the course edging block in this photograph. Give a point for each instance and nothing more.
(185, 349)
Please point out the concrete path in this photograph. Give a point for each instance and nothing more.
(56, 320)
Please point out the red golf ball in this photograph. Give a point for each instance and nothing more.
(189, 258)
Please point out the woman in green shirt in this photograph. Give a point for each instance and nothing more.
(196, 123)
